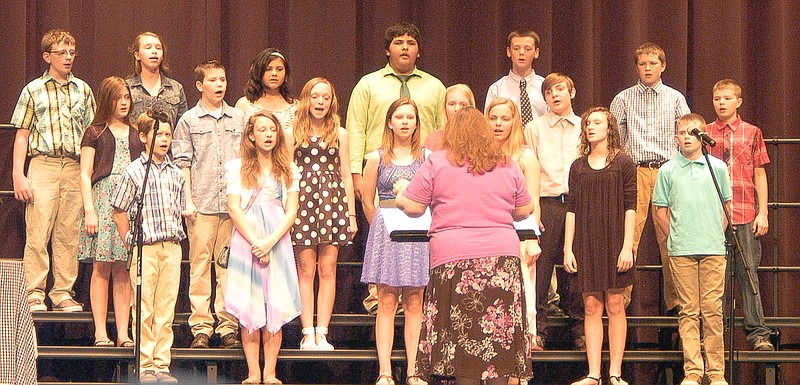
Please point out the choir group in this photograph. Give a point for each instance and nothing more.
(268, 192)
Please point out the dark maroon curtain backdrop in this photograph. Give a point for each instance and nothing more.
(755, 42)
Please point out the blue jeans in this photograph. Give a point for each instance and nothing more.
(753, 311)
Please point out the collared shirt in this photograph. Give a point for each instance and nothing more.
(370, 100)
(163, 202)
(170, 98)
(203, 143)
(648, 118)
(695, 213)
(508, 87)
(555, 141)
(741, 145)
(56, 115)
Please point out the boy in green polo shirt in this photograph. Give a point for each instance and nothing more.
(689, 212)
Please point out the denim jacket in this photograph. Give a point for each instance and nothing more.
(170, 98)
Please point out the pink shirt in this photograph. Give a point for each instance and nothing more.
(471, 214)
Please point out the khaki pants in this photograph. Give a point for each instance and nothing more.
(53, 217)
(645, 184)
(700, 284)
(161, 275)
(208, 234)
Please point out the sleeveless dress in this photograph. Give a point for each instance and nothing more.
(388, 262)
(106, 245)
(284, 116)
(322, 217)
(261, 295)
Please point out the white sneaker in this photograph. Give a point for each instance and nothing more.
(308, 343)
(322, 341)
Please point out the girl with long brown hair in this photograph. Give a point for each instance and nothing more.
(598, 237)
(108, 146)
(262, 291)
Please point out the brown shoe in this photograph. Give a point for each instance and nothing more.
(200, 341)
(230, 341)
(36, 304)
(148, 377)
(166, 378)
(68, 305)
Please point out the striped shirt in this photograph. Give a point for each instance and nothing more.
(55, 114)
(647, 118)
(163, 201)
(741, 145)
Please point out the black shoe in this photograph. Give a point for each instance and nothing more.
(580, 343)
(200, 341)
(230, 341)
(673, 312)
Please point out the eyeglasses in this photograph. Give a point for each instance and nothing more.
(63, 53)
(158, 115)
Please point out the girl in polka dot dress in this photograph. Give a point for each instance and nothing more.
(326, 217)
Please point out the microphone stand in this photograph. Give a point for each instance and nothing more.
(732, 248)
(138, 237)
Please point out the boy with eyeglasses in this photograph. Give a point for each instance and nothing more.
(50, 116)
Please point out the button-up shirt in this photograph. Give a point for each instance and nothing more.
(203, 143)
(508, 87)
(555, 141)
(170, 98)
(56, 115)
(372, 97)
(741, 145)
(647, 118)
(163, 202)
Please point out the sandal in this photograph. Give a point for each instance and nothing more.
(617, 380)
(308, 342)
(416, 380)
(126, 344)
(583, 381)
(387, 377)
(104, 343)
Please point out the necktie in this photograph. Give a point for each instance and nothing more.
(524, 103)
(404, 93)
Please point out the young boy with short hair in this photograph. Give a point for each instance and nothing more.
(50, 116)
(207, 136)
(162, 231)
(522, 85)
(647, 114)
(741, 146)
(555, 137)
(689, 211)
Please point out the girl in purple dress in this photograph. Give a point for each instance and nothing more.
(395, 267)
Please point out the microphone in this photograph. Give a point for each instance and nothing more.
(703, 137)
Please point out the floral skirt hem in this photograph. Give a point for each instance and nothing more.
(474, 321)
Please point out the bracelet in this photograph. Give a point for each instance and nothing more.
(351, 215)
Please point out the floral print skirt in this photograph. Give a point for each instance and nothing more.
(473, 323)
